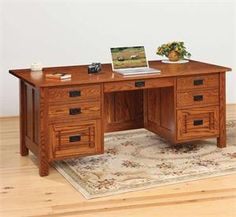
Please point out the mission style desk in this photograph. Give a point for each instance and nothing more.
(63, 119)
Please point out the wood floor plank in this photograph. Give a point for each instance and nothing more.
(137, 206)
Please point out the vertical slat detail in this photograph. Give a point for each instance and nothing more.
(33, 114)
(23, 149)
(36, 116)
(29, 131)
(221, 140)
(43, 145)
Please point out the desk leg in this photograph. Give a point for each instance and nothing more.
(43, 156)
(43, 146)
(221, 140)
(23, 149)
(43, 164)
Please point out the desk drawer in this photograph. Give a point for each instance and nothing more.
(138, 84)
(77, 93)
(84, 110)
(197, 123)
(196, 82)
(197, 98)
(68, 140)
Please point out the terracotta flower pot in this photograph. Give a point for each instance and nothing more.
(173, 56)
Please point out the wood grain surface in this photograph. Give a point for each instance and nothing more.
(134, 84)
(123, 110)
(89, 141)
(197, 98)
(221, 140)
(197, 123)
(78, 110)
(184, 102)
(80, 73)
(198, 82)
(74, 93)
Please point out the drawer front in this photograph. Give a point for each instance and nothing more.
(138, 84)
(197, 98)
(195, 82)
(197, 123)
(68, 140)
(82, 110)
(74, 93)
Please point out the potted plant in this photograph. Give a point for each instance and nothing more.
(174, 51)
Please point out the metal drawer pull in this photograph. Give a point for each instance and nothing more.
(197, 122)
(139, 83)
(75, 138)
(74, 93)
(198, 98)
(74, 111)
(198, 82)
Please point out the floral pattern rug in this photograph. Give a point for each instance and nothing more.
(138, 159)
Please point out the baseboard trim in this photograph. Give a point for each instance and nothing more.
(9, 117)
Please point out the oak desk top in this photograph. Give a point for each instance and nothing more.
(80, 73)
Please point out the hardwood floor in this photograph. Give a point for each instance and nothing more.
(24, 193)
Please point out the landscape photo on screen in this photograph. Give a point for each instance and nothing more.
(128, 57)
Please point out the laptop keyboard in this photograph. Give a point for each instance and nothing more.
(137, 70)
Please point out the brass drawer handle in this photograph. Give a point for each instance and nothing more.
(197, 122)
(198, 98)
(198, 82)
(75, 138)
(139, 83)
(74, 111)
(74, 93)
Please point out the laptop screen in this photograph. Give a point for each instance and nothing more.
(128, 57)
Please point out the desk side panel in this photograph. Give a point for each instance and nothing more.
(159, 112)
(31, 117)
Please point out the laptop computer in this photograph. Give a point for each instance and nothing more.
(131, 61)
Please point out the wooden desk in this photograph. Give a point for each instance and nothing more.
(62, 119)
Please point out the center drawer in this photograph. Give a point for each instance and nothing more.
(81, 110)
(138, 84)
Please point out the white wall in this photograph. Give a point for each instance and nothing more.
(68, 32)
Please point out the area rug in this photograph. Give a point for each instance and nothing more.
(138, 159)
